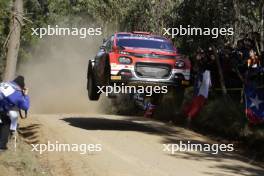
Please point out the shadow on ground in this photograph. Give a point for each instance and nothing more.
(172, 135)
(93, 123)
(30, 133)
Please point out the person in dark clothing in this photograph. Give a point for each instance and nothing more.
(4, 130)
(13, 96)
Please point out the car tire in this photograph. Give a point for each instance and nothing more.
(91, 85)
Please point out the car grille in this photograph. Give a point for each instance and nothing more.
(153, 70)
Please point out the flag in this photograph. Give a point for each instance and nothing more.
(201, 88)
(254, 99)
(204, 84)
(193, 108)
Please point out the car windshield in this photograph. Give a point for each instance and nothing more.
(144, 42)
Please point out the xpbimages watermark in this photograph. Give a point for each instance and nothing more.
(123, 89)
(213, 32)
(189, 146)
(60, 147)
(66, 31)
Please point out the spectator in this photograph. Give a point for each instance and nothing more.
(13, 96)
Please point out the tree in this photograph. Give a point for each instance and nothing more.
(16, 23)
(262, 26)
(237, 21)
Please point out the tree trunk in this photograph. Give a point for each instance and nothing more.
(14, 40)
(237, 21)
(262, 27)
(220, 72)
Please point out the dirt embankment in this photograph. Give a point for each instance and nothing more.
(20, 161)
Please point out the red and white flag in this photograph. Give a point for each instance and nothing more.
(193, 108)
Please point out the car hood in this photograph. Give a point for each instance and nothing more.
(148, 51)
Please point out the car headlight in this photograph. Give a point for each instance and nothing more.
(124, 60)
(180, 64)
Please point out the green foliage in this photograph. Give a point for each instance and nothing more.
(230, 120)
(226, 118)
(149, 15)
(4, 20)
(203, 14)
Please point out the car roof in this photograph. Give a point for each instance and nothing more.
(139, 33)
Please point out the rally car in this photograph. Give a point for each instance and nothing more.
(137, 58)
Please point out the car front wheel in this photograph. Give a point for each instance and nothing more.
(92, 88)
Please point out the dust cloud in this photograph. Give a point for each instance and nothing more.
(56, 75)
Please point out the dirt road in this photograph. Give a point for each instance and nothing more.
(131, 146)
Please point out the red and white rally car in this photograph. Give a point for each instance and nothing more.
(137, 58)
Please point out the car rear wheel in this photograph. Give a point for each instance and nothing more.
(91, 85)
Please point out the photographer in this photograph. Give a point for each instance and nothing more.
(13, 97)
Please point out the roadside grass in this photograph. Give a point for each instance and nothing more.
(20, 162)
(224, 117)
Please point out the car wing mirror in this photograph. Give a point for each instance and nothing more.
(102, 48)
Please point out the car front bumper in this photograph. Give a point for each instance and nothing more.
(127, 74)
